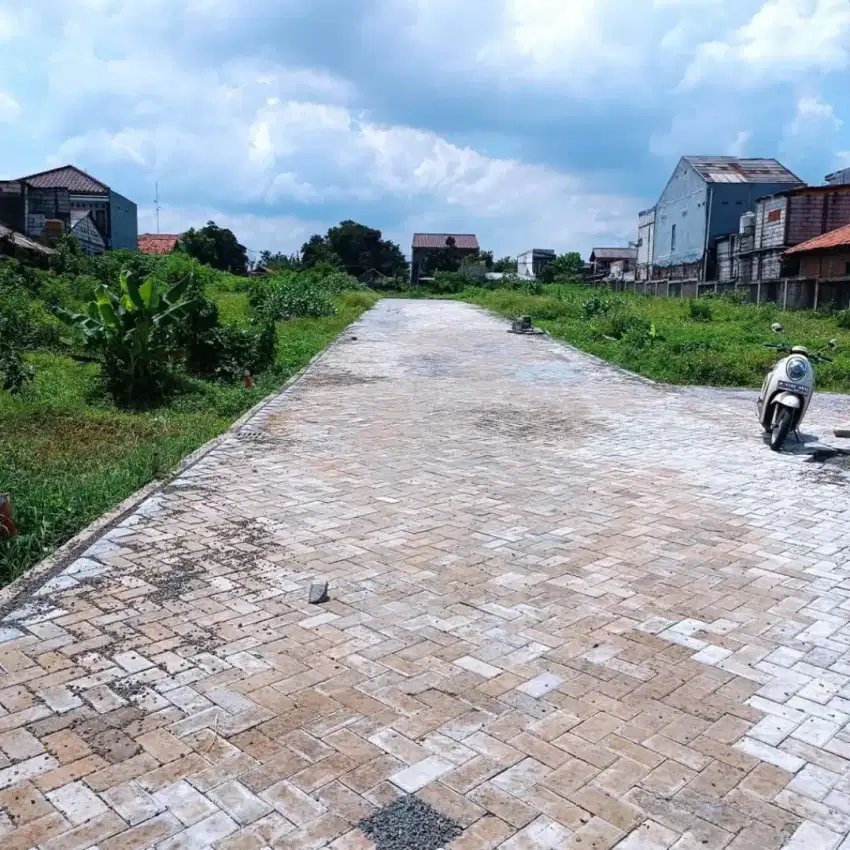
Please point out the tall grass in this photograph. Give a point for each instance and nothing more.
(720, 346)
(67, 455)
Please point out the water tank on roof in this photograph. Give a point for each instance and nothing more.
(748, 222)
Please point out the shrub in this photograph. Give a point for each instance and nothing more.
(242, 350)
(842, 319)
(338, 282)
(699, 311)
(596, 305)
(300, 298)
(449, 283)
(130, 334)
(13, 371)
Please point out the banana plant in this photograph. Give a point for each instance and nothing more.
(127, 332)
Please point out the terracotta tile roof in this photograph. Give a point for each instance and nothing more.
(158, 243)
(839, 238)
(464, 241)
(67, 177)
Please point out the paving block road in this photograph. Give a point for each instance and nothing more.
(567, 609)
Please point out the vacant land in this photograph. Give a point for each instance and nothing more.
(68, 454)
(712, 341)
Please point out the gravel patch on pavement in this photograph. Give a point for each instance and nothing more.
(409, 824)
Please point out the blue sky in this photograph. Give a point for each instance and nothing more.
(533, 123)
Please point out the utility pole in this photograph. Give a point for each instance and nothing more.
(156, 201)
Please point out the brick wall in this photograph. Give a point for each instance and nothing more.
(770, 221)
(815, 213)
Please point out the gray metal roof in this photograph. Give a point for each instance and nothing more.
(614, 254)
(23, 241)
(463, 241)
(731, 169)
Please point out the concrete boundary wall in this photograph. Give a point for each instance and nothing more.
(789, 293)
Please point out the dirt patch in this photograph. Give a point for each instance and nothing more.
(529, 423)
(341, 378)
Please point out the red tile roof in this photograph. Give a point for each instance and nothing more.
(464, 241)
(158, 243)
(67, 177)
(839, 238)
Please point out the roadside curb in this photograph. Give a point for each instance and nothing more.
(74, 548)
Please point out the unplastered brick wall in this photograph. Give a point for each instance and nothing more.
(770, 221)
(814, 213)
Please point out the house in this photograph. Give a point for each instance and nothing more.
(14, 244)
(645, 244)
(88, 235)
(838, 178)
(530, 263)
(826, 256)
(428, 246)
(26, 204)
(158, 243)
(703, 200)
(606, 262)
(788, 219)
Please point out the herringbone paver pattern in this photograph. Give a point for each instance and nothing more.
(568, 610)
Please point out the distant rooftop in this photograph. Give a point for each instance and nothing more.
(731, 169)
(158, 243)
(464, 241)
(67, 177)
(614, 254)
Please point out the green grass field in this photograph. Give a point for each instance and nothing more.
(67, 455)
(726, 350)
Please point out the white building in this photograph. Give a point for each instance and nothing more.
(531, 263)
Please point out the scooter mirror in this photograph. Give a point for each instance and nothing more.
(777, 328)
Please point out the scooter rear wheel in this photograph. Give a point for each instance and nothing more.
(780, 428)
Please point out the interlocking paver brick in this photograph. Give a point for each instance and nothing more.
(567, 608)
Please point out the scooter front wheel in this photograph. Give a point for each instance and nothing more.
(780, 429)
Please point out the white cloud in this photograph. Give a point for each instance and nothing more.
(9, 107)
(738, 146)
(843, 159)
(813, 117)
(783, 39)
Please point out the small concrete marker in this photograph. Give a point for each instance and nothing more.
(318, 592)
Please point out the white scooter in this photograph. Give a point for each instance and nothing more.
(787, 390)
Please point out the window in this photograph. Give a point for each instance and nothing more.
(774, 215)
(673, 239)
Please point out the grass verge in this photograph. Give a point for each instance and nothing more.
(67, 456)
(718, 346)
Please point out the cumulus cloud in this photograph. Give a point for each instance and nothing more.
(814, 116)
(531, 122)
(783, 39)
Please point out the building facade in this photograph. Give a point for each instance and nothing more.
(613, 262)
(645, 244)
(703, 200)
(531, 263)
(27, 204)
(87, 232)
(826, 257)
(428, 246)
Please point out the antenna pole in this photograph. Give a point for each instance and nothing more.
(156, 201)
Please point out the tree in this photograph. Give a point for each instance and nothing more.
(217, 247)
(279, 261)
(318, 250)
(356, 249)
(506, 264)
(567, 265)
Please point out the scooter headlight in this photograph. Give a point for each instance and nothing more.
(797, 368)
